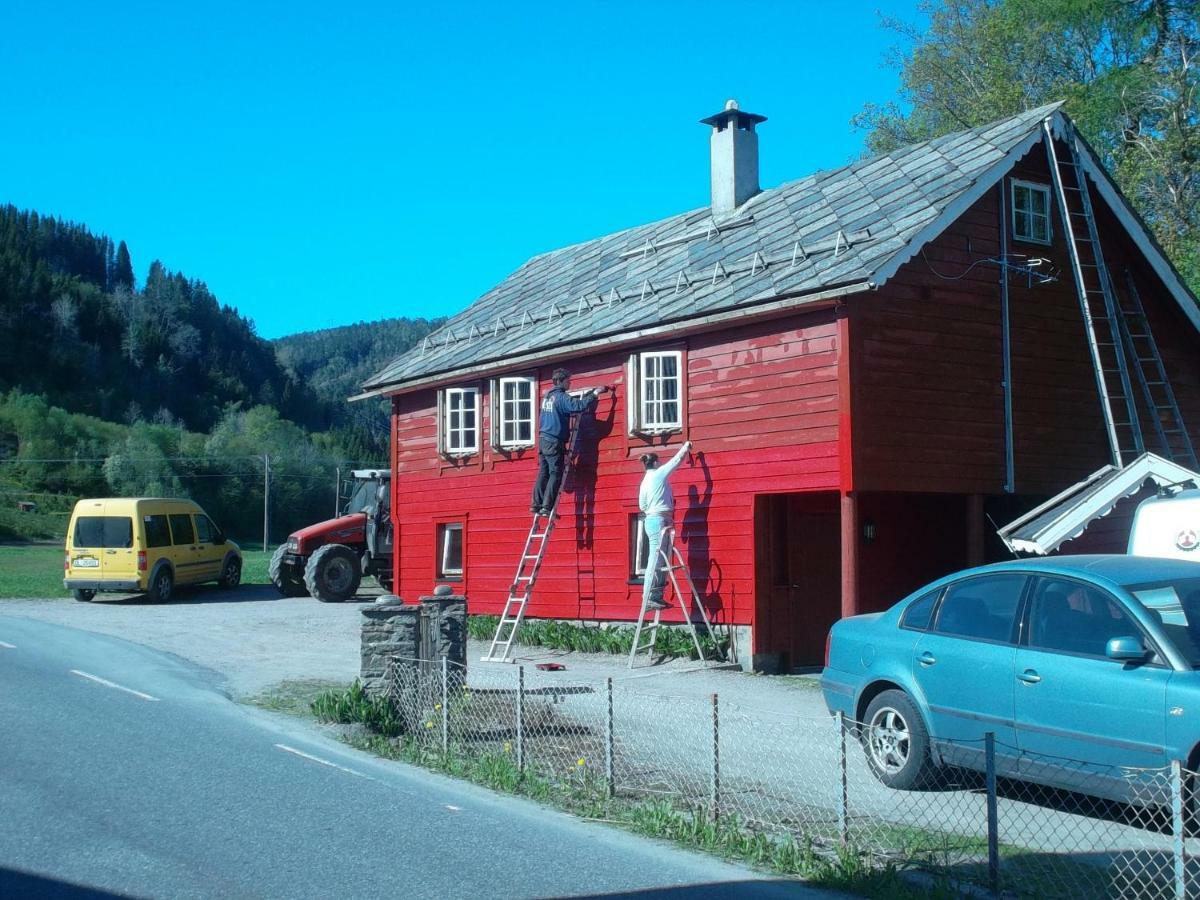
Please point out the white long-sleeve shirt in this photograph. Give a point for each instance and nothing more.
(654, 496)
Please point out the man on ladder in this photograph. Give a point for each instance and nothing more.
(554, 427)
(658, 510)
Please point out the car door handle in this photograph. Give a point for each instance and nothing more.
(927, 659)
(1029, 676)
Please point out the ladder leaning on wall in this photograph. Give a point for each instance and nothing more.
(671, 563)
(530, 563)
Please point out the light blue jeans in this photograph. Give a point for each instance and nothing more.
(655, 579)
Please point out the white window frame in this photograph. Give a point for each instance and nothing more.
(452, 441)
(1043, 189)
(638, 404)
(500, 418)
(445, 529)
(638, 569)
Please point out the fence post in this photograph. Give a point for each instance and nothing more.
(844, 796)
(715, 794)
(1177, 829)
(521, 719)
(445, 708)
(993, 822)
(609, 777)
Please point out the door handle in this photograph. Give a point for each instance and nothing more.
(1029, 676)
(927, 659)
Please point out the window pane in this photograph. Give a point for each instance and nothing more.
(1041, 230)
(450, 545)
(181, 529)
(639, 545)
(108, 532)
(158, 533)
(918, 612)
(1073, 618)
(981, 608)
(204, 530)
(1021, 227)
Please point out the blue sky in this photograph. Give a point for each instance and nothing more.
(321, 164)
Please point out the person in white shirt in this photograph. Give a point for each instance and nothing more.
(658, 510)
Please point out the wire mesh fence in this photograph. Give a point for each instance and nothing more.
(984, 817)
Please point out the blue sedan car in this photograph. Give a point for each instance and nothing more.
(1086, 668)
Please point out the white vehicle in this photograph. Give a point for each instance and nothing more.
(1167, 525)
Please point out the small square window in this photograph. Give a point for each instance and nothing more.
(450, 550)
(656, 392)
(1031, 212)
(512, 412)
(460, 421)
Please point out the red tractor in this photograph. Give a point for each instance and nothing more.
(329, 559)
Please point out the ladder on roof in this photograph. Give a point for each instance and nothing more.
(670, 561)
(530, 563)
(1152, 379)
(1097, 300)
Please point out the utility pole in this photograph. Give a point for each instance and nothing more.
(266, 497)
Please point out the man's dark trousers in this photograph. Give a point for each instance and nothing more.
(551, 456)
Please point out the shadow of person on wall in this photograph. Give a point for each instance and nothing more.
(694, 534)
(594, 427)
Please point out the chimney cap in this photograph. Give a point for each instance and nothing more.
(733, 114)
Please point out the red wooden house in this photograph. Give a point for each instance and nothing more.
(870, 361)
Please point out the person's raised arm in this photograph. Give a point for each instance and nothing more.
(583, 401)
(671, 466)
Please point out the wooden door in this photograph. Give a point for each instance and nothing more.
(798, 578)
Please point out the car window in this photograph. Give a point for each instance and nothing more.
(919, 611)
(204, 530)
(1072, 617)
(982, 608)
(181, 529)
(1176, 606)
(103, 532)
(158, 534)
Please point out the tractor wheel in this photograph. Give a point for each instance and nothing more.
(333, 574)
(286, 579)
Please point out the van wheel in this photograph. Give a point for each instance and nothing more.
(83, 596)
(231, 573)
(897, 742)
(285, 578)
(332, 574)
(162, 586)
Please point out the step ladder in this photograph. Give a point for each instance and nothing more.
(530, 563)
(1151, 376)
(671, 562)
(1097, 299)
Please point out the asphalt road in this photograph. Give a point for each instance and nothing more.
(122, 772)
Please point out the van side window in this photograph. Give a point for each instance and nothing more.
(204, 530)
(157, 532)
(181, 529)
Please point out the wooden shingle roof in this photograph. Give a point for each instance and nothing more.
(843, 229)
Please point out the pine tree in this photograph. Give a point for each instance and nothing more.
(123, 274)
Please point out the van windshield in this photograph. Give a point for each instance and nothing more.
(1175, 603)
(99, 532)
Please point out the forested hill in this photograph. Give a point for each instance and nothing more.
(74, 328)
(336, 361)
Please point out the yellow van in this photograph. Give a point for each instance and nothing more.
(146, 545)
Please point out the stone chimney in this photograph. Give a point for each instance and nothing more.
(734, 151)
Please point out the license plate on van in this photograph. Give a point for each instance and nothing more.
(85, 562)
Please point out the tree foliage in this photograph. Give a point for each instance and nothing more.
(1127, 69)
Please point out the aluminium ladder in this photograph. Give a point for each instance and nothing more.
(1102, 318)
(670, 561)
(530, 563)
(1152, 378)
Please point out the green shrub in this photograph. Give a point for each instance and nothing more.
(671, 641)
(356, 706)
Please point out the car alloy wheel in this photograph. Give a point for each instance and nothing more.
(888, 740)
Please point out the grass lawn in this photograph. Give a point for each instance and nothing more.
(35, 570)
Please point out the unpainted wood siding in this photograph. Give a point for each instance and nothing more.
(762, 413)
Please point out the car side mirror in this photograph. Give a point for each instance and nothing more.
(1126, 649)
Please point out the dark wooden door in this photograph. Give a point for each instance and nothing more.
(798, 577)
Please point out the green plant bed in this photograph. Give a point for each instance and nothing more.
(671, 641)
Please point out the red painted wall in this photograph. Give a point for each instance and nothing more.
(761, 411)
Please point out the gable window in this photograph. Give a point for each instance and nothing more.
(459, 431)
(1031, 212)
(655, 400)
(512, 412)
(450, 550)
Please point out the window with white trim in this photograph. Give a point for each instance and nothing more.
(1031, 211)
(639, 547)
(459, 431)
(655, 397)
(450, 550)
(512, 412)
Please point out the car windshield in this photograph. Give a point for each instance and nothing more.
(1175, 603)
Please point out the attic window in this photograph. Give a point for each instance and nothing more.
(1031, 212)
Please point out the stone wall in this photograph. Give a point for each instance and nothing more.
(412, 634)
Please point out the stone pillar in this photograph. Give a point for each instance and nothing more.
(448, 619)
(389, 631)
